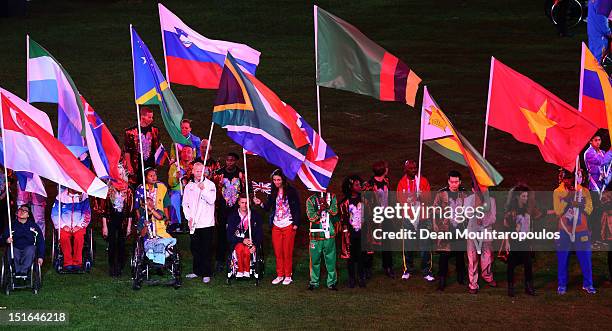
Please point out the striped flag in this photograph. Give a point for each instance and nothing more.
(595, 99)
(30, 147)
(104, 151)
(440, 134)
(161, 155)
(151, 88)
(350, 61)
(49, 82)
(193, 59)
(318, 168)
(257, 120)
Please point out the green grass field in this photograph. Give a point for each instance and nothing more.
(448, 43)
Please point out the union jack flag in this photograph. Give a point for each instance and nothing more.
(261, 187)
(318, 168)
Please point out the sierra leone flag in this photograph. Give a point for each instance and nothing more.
(348, 60)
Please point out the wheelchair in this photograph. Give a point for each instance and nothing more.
(10, 280)
(144, 268)
(257, 266)
(57, 256)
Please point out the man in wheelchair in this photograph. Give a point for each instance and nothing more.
(245, 237)
(28, 243)
(23, 257)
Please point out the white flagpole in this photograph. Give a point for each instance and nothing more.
(316, 46)
(246, 179)
(484, 147)
(178, 159)
(144, 184)
(418, 179)
(6, 182)
(212, 126)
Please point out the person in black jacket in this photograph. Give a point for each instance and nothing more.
(284, 207)
(243, 241)
(27, 239)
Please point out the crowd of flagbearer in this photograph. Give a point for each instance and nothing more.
(221, 211)
(208, 200)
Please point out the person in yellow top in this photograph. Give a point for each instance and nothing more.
(572, 205)
(178, 177)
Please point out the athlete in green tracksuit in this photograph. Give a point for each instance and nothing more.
(322, 215)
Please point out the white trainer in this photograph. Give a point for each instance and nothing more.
(406, 276)
(239, 274)
(277, 280)
(429, 278)
(191, 276)
(206, 280)
(287, 281)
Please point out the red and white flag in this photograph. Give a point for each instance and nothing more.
(29, 147)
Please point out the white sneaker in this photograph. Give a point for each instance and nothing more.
(406, 276)
(239, 274)
(429, 278)
(277, 280)
(206, 280)
(191, 276)
(287, 281)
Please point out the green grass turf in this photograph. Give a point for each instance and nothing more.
(448, 43)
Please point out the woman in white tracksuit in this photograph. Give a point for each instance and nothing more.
(199, 209)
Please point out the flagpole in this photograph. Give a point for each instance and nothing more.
(178, 159)
(316, 46)
(418, 179)
(246, 179)
(27, 68)
(6, 182)
(484, 147)
(144, 184)
(212, 126)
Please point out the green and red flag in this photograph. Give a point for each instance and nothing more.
(350, 61)
(440, 134)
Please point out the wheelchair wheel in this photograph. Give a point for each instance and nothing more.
(2, 271)
(176, 271)
(8, 279)
(56, 253)
(137, 267)
(88, 251)
(574, 13)
(36, 278)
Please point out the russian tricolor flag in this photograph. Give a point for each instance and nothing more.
(192, 59)
(104, 151)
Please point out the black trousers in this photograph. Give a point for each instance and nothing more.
(517, 258)
(359, 257)
(458, 252)
(116, 243)
(222, 248)
(201, 249)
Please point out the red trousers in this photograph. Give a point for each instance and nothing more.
(73, 251)
(282, 240)
(244, 257)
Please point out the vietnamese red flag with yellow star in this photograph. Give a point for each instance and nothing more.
(534, 115)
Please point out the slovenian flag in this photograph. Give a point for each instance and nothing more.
(192, 59)
(49, 82)
(30, 147)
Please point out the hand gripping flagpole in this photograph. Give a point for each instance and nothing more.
(6, 182)
(144, 184)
